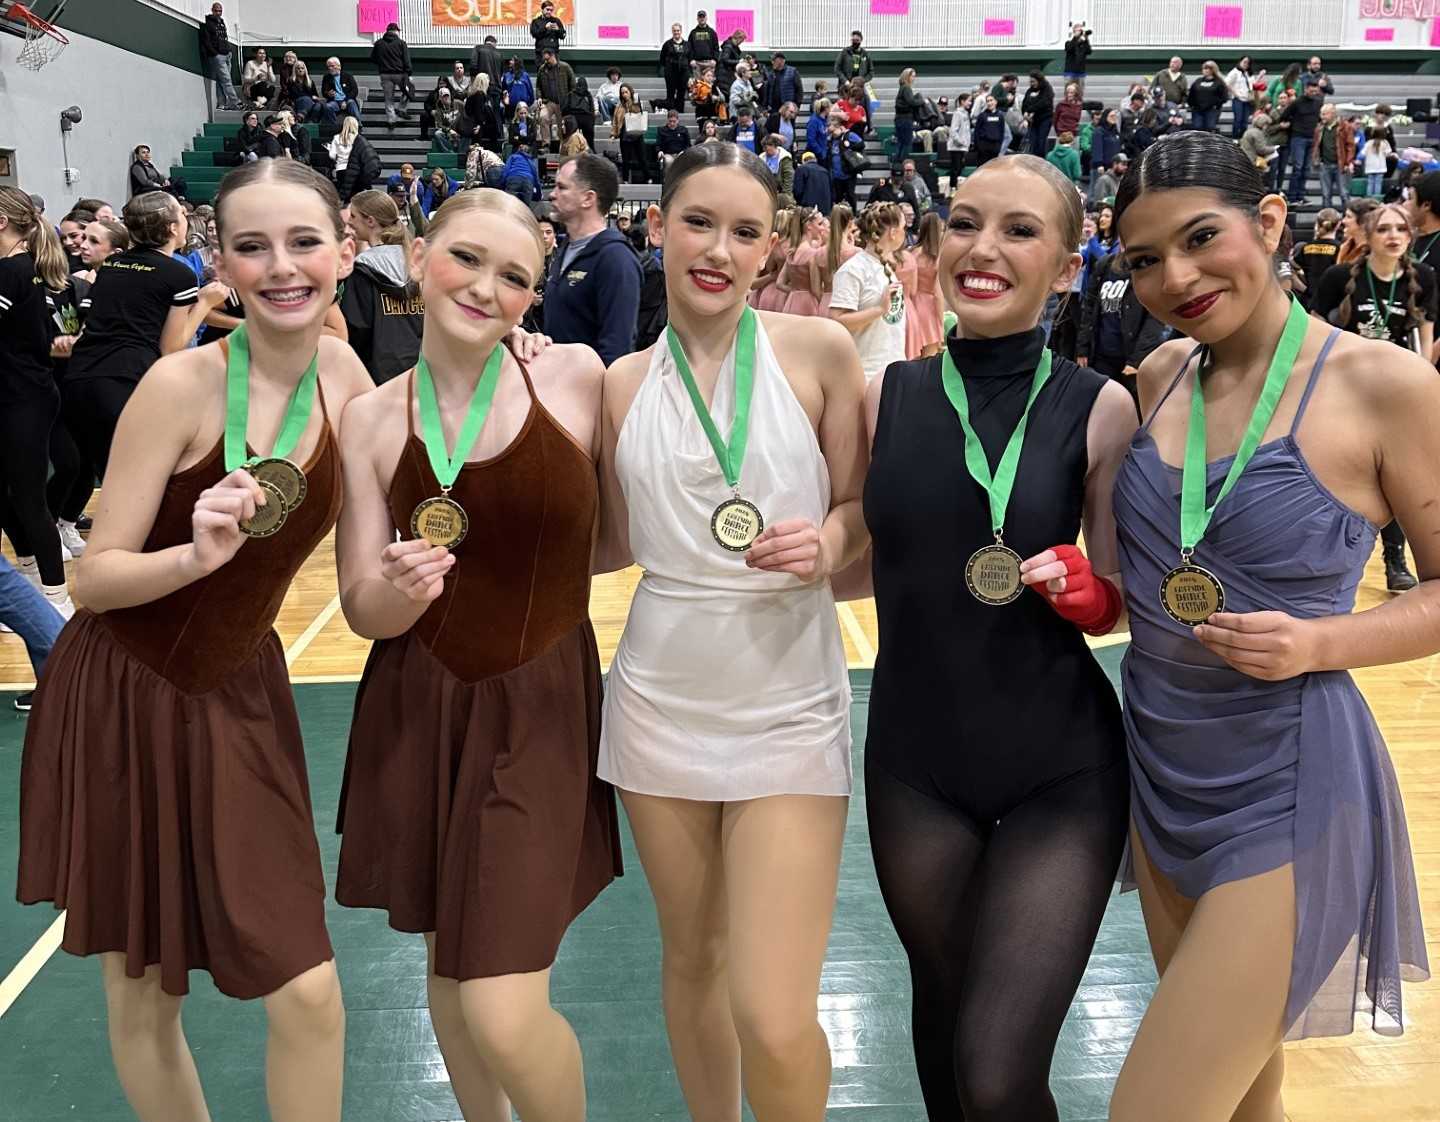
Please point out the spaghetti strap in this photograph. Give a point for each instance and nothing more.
(1184, 366)
(324, 409)
(1314, 378)
(524, 373)
(410, 404)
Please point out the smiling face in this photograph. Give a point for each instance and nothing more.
(1197, 263)
(72, 236)
(1005, 252)
(716, 233)
(477, 275)
(281, 255)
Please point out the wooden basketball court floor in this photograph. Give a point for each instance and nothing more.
(54, 1061)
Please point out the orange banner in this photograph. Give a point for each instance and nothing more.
(495, 13)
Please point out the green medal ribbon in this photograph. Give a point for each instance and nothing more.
(732, 455)
(1387, 303)
(1002, 483)
(237, 405)
(1194, 514)
(447, 465)
(1421, 254)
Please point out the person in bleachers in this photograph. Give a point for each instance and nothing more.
(438, 187)
(1071, 105)
(843, 145)
(811, 187)
(915, 191)
(1314, 75)
(786, 126)
(270, 146)
(481, 122)
(298, 92)
(145, 176)
(675, 67)
(853, 104)
(607, 97)
(742, 91)
(958, 139)
(1207, 95)
(459, 81)
(1304, 120)
(572, 140)
(339, 93)
(671, 139)
(1332, 150)
(854, 62)
(482, 167)
(1241, 84)
(249, 136)
(581, 105)
(816, 141)
(1105, 144)
(1064, 156)
(391, 56)
(704, 43)
(782, 166)
(485, 59)
(907, 107)
(704, 95)
(522, 129)
(1171, 87)
(547, 30)
(988, 131)
(782, 87)
(1077, 54)
(592, 292)
(554, 81)
(628, 125)
(709, 131)
(445, 120)
(1106, 180)
(356, 163)
(519, 87)
(258, 83)
(1278, 133)
(745, 132)
(1255, 142)
(1038, 109)
(518, 177)
(732, 53)
(215, 57)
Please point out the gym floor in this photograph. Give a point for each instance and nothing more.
(54, 1057)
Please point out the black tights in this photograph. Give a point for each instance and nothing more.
(24, 464)
(998, 920)
(92, 410)
(73, 479)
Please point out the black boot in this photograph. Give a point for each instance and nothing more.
(1398, 577)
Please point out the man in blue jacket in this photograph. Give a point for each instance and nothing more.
(783, 85)
(593, 292)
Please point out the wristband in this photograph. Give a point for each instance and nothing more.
(1091, 603)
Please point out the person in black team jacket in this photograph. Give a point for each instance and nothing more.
(546, 30)
(592, 294)
(384, 312)
(1116, 332)
(997, 788)
(144, 304)
(675, 68)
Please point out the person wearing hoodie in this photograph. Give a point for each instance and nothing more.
(391, 56)
(675, 67)
(381, 305)
(592, 293)
(1116, 332)
(1255, 143)
(518, 177)
(782, 167)
(578, 103)
(1207, 94)
(1038, 108)
(519, 87)
(215, 57)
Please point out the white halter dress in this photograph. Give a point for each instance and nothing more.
(729, 682)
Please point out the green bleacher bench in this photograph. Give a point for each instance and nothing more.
(203, 158)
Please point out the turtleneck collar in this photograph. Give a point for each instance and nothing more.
(1004, 357)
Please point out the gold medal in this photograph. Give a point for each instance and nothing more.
(285, 477)
(440, 521)
(993, 574)
(1191, 595)
(736, 524)
(269, 518)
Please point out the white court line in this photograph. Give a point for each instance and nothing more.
(851, 623)
(37, 956)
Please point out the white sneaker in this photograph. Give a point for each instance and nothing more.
(28, 569)
(70, 540)
(58, 598)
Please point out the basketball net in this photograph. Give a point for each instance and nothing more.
(43, 40)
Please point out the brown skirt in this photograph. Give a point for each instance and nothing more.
(175, 828)
(472, 809)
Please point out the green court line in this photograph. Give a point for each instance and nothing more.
(54, 1058)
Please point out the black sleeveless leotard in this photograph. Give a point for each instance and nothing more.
(980, 706)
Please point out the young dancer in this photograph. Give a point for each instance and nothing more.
(1268, 833)
(471, 811)
(734, 452)
(923, 334)
(994, 766)
(163, 796)
(868, 299)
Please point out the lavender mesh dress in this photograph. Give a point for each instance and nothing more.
(1233, 776)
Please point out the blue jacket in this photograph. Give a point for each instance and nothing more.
(520, 166)
(838, 170)
(815, 140)
(595, 299)
(520, 88)
(812, 187)
(782, 87)
(426, 195)
(1105, 145)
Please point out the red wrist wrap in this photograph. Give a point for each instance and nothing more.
(1091, 603)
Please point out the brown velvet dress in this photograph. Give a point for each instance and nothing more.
(471, 806)
(163, 794)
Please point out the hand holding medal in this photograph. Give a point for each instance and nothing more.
(793, 546)
(993, 572)
(218, 515)
(1271, 646)
(282, 482)
(416, 568)
(1189, 593)
(736, 523)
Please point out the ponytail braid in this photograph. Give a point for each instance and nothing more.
(1414, 314)
(1357, 266)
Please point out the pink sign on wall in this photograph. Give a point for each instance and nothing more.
(1223, 21)
(998, 28)
(1379, 35)
(613, 31)
(729, 20)
(373, 16)
(1435, 32)
(889, 7)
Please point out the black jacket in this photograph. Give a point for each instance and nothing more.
(1140, 332)
(485, 59)
(908, 103)
(704, 44)
(271, 146)
(214, 40)
(731, 54)
(1076, 52)
(383, 312)
(1210, 93)
(1040, 103)
(675, 58)
(391, 54)
(483, 121)
(345, 81)
(554, 83)
(812, 187)
(1305, 115)
(144, 176)
(851, 64)
(249, 139)
(672, 141)
(547, 31)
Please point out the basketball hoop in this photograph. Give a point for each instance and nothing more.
(43, 40)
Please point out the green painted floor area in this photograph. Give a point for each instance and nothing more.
(54, 1058)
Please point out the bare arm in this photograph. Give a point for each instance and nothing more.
(181, 323)
(622, 382)
(335, 325)
(856, 582)
(856, 321)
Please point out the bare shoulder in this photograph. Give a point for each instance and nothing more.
(343, 371)
(185, 382)
(814, 343)
(1112, 419)
(376, 414)
(1388, 382)
(622, 381)
(569, 369)
(1159, 369)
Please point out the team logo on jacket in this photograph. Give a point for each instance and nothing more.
(575, 276)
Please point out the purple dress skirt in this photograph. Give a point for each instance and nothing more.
(1232, 776)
